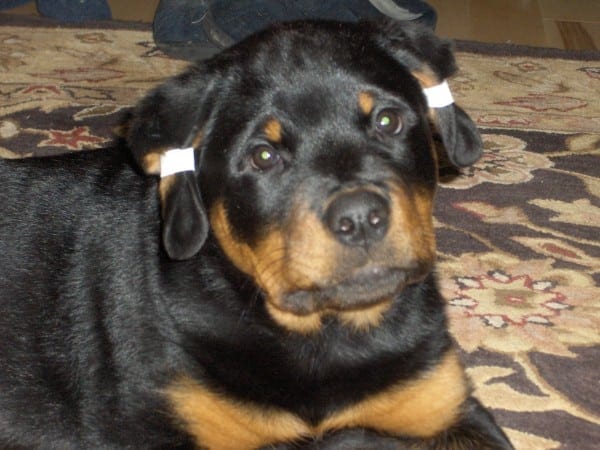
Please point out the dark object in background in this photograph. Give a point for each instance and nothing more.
(196, 29)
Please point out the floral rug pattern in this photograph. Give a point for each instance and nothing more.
(518, 234)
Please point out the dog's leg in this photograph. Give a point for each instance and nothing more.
(476, 430)
(349, 439)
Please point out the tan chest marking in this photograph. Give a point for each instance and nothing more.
(219, 423)
(421, 408)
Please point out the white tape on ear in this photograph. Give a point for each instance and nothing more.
(177, 160)
(439, 96)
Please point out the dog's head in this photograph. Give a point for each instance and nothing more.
(315, 162)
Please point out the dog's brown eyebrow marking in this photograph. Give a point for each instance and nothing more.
(366, 102)
(273, 131)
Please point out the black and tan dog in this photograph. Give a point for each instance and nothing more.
(290, 302)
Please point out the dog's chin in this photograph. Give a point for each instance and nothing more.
(364, 289)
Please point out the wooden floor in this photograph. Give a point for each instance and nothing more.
(571, 24)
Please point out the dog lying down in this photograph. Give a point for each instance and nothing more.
(253, 268)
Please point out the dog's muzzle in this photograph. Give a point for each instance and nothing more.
(367, 271)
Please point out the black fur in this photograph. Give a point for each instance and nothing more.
(98, 318)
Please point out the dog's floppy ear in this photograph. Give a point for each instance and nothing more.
(164, 135)
(431, 62)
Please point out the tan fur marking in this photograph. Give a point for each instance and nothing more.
(151, 160)
(197, 140)
(218, 423)
(359, 319)
(265, 263)
(423, 202)
(411, 226)
(165, 185)
(426, 77)
(313, 250)
(308, 324)
(273, 131)
(304, 256)
(419, 408)
(366, 102)
(364, 319)
(151, 163)
(273, 269)
(239, 253)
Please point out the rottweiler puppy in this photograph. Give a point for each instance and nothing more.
(253, 267)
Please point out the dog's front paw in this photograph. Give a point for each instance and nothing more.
(350, 439)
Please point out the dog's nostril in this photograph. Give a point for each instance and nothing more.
(376, 218)
(358, 217)
(346, 225)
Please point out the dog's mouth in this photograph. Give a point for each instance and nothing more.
(363, 289)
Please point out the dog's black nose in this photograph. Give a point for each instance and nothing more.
(358, 218)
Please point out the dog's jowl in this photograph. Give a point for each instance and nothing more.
(253, 268)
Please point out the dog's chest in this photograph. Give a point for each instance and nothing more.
(420, 408)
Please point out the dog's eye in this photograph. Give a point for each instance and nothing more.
(388, 121)
(264, 158)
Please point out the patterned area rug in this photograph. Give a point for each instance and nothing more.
(518, 234)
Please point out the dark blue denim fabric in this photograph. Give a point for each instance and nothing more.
(207, 26)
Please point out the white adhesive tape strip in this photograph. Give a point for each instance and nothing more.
(439, 96)
(177, 160)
